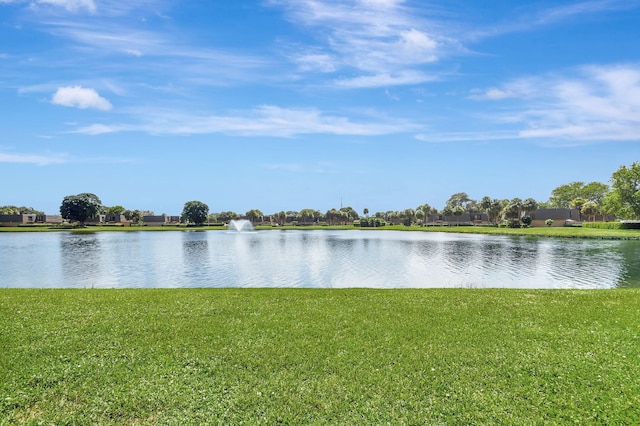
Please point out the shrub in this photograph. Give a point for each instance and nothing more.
(548, 222)
(513, 223)
(603, 225)
(371, 223)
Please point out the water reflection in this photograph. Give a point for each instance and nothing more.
(377, 259)
(81, 261)
(195, 258)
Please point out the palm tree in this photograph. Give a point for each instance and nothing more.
(529, 205)
(577, 203)
(590, 208)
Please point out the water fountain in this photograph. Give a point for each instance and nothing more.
(240, 225)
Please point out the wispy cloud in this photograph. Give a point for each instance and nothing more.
(102, 7)
(69, 5)
(386, 42)
(39, 160)
(145, 55)
(315, 168)
(267, 120)
(519, 88)
(566, 11)
(401, 78)
(594, 103)
(531, 19)
(80, 97)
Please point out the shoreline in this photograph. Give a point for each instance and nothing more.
(552, 232)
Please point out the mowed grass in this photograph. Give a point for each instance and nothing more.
(294, 356)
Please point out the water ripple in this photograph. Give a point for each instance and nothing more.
(388, 259)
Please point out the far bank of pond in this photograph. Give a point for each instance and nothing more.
(554, 232)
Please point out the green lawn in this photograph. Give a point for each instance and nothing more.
(292, 356)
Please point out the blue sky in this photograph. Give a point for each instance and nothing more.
(293, 104)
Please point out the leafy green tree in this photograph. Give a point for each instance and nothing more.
(407, 216)
(513, 212)
(562, 196)
(344, 217)
(590, 209)
(577, 204)
(447, 212)
(115, 210)
(135, 216)
(473, 206)
(457, 212)
(526, 220)
(427, 209)
(459, 199)
(9, 210)
(195, 211)
(612, 205)
(228, 216)
(80, 207)
(307, 216)
(332, 216)
(492, 207)
(420, 215)
(529, 206)
(19, 210)
(625, 192)
(513, 209)
(351, 214)
(254, 215)
(595, 191)
(392, 216)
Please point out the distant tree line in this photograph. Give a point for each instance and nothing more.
(621, 199)
(19, 210)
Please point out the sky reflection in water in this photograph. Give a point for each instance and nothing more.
(322, 259)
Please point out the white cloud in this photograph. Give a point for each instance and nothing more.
(492, 94)
(595, 103)
(382, 80)
(293, 168)
(39, 160)
(380, 39)
(80, 97)
(316, 62)
(71, 5)
(105, 7)
(532, 19)
(415, 41)
(96, 129)
(268, 120)
(583, 7)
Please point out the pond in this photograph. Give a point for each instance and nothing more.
(312, 259)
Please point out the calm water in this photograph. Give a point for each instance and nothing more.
(376, 259)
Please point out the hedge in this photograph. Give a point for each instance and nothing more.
(612, 225)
